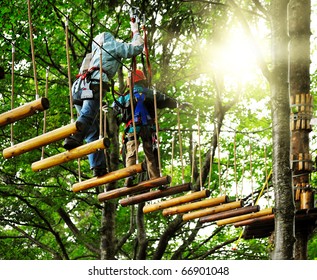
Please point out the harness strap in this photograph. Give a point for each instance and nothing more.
(89, 72)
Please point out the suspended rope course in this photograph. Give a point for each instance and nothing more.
(192, 205)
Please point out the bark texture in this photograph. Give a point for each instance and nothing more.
(282, 176)
(299, 63)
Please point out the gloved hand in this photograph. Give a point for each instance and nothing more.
(134, 26)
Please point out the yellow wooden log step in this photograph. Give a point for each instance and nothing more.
(41, 140)
(195, 205)
(145, 185)
(75, 153)
(176, 201)
(109, 177)
(155, 194)
(255, 220)
(24, 111)
(228, 213)
(212, 210)
(232, 220)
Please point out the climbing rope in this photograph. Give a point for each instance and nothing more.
(199, 153)
(193, 161)
(146, 51)
(12, 89)
(100, 93)
(172, 157)
(251, 173)
(132, 113)
(157, 132)
(69, 72)
(44, 117)
(32, 50)
(227, 171)
(235, 163)
(180, 143)
(219, 166)
(210, 164)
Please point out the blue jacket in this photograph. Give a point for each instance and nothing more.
(115, 51)
(144, 111)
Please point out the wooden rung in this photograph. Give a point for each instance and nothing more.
(155, 194)
(145, 185)
(109, 177)
(227, 221)
(176, 201)
(254, 220)
(229, 213)
(24, 111)
(195, 205)
(71, 154)
(212, 210)
(41, 140)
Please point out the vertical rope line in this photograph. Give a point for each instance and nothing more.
(105, 122)
(44, 117)
(235, 163)
(69, 73)
(100, 95)
(210, 165)
(210, 168)
(219, 167)
(242, 180)
(199, 153)
(266, 176)
(227, 172)
(251, 174)
(133, 120)
(193, 161)
(172, 159)
(146, 51)
(32, 50)
(12, 89)
(79, 169)
(157, 132)
(180, 144)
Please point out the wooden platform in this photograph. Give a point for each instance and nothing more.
(304, 220)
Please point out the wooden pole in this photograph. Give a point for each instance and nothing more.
(195, 205)
(78, 152)
(155, 194)
(254, 220)
(41, 140)
(229, 213)
(212, 210)
(176, 201)
(109, 177)
(145, 185)
(24, 111)
(227, 221)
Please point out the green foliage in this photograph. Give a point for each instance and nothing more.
(42, 218)
(312, 252)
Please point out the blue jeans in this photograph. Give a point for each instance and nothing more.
(89, 117)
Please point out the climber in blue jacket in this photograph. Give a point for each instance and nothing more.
(86, 89)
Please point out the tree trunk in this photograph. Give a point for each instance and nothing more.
(108, 229)
(301, 104)
(141, 233)
(282, 179)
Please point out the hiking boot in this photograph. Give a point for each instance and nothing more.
(163, 187)
(128, 182)
(99, 171)
(71, 142)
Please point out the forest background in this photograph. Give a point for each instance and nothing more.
(202, 52)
